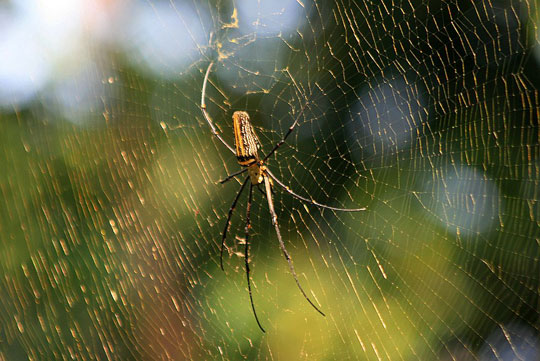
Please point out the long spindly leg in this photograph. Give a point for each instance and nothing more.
(246, 254)
(288, 190)
(291, 128)
(205, 113)
(260, 190)
(228, 223)
(229, 177)
(281, 244)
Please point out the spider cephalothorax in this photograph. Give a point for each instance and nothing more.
(246, 149)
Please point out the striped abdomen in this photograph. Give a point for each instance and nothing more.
(245, 139)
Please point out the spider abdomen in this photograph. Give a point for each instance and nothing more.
(246, 141)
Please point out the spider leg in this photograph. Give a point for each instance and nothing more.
(229, 177)
(288, 190)
(291, 128)
(281, 244)
(260, 190)
(246, 254)
(205, 113)
(228, 223)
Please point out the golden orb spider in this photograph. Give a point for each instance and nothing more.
(246, 145)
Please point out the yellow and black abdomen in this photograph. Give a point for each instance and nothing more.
(245, 139)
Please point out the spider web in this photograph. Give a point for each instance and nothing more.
(424, 112)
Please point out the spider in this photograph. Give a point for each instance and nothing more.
(246, 146)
